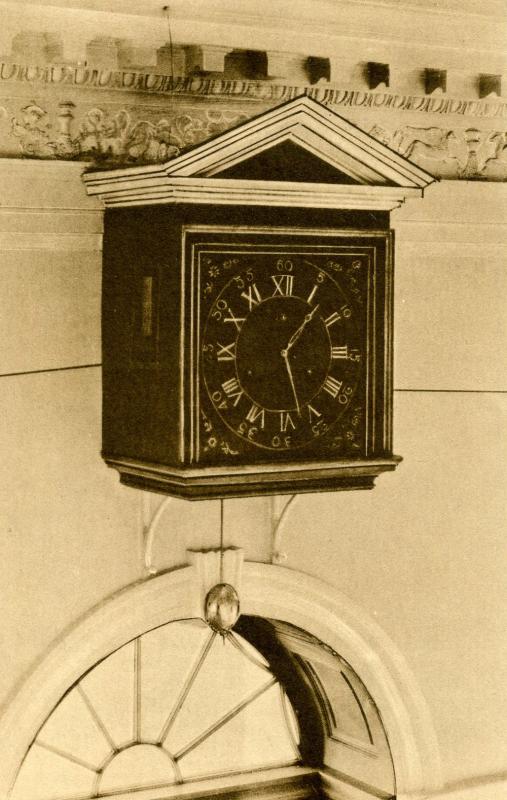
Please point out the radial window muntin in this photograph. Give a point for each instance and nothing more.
(106, 753)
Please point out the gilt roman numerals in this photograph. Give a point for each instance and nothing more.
(340, 351)
(256, 413)
(332, 386)
(233, 390)
(286, 422)
(238, 321)
(226, 352)
(252, 296)
(334, 317)
(283, 358)
(284, 285)
(313, 414)
(312, 294)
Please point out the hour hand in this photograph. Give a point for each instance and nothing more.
(295, 336)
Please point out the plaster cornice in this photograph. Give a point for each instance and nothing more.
(152, 7)
(153, 84)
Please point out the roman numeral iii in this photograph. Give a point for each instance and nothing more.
(341, 351)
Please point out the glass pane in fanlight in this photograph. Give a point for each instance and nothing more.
(256, 737)
(137, 767)
(348, 716)
(110, 689)
(225, 678)
(291, 719)
(47, 776)
(72, 729)
(167, 657)
(249, 650)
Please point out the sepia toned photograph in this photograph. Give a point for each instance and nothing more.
(253, 423)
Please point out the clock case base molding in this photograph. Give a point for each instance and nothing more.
(276, 479)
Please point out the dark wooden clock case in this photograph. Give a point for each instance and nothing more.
(295, 176)
(152, 412)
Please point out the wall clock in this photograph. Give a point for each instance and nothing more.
(247, 322)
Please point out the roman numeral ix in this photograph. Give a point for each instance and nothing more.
(226, 352)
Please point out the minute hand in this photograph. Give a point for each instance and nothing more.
(295, 336)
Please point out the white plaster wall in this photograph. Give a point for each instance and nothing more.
(423, 553)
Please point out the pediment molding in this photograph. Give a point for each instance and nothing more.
(368, 173)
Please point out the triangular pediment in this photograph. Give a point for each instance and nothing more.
(306, 127)
(300, 154)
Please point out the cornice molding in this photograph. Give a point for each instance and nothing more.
(153, 83)
(258, 193)
(494, 8)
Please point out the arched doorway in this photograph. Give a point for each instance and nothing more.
(287, 640)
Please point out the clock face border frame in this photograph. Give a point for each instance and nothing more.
(283, 304)
(283, 241)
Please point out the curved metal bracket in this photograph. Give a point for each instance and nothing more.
(279, 509)
(149, 531)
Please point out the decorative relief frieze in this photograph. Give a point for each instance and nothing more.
(112, 136)
(468, 154)
(137, 135)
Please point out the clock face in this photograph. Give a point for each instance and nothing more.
(283, 347)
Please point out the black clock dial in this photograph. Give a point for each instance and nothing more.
(281, 350)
